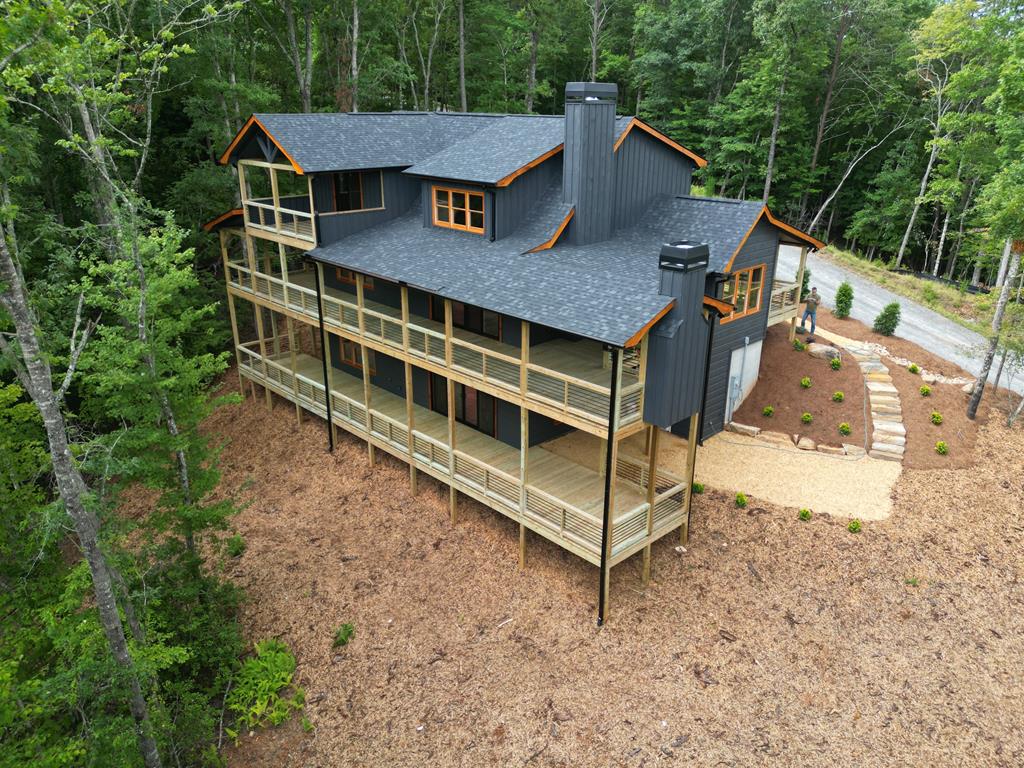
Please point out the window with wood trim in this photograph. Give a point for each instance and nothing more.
(348, 277)
(352, 355)
(744, 290)
(458, 209)
(348, 191)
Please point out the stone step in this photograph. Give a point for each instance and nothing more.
(882, 455)
(883, 398)
(886, 410)
(896, 450)
(882, 376)
(853, 450)
(878, 386)
(888, 439)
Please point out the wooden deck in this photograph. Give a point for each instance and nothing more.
(785, 302)
(562, 500)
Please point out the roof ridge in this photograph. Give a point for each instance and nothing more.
(705, 198)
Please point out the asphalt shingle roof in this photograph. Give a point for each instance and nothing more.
(719, 222)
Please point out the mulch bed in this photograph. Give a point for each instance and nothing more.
(767, 640)
(778, 385)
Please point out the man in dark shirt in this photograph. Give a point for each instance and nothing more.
(811, 309)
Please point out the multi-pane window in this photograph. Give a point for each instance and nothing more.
(352, 355)
(348, 277)
(459, 209)
(744, 290)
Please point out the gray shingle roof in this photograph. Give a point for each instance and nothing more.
(500, 149)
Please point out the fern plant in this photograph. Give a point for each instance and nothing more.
(260, 694)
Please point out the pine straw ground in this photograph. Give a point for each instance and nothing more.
(769, 640)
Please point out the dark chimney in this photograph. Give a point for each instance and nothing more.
(588, 167)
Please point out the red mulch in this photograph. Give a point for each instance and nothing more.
(778, 385)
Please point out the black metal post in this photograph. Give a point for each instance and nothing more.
(609, 472)
(323, 355)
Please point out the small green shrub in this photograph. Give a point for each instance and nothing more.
(912, 581)
(805, 382)
(914, 368)
(798, 345)
(697, 488)
(805, 284)
(235, 545)
(838, 397)
(259, 696)
(844, 300)
(806, 418)
(307, 724)
(936, 418)
(854, 526)
(844, 429)
(925, 390)
(741, 500)
(342, 635)
(805, 514)
(768, 410)
(941, 448)
(888, 319)
(835, 363)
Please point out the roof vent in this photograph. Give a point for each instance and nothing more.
(683, 255)
(591, 92)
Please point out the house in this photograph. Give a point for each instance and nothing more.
(470, 293)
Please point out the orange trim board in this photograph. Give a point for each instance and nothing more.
(638, 336)
(238, 137)
(722, 306)
(813, 241)
(638, 123)
(217, 220)
(558, 233)
(504, 182)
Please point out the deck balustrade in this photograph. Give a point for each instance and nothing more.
(785, 302)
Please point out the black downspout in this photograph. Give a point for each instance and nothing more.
(323, 356)
(609, 472)
(712, 317)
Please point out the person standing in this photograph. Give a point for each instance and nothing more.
(811, 310)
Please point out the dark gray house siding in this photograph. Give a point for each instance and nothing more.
(512, 203)
(428, 201)
(400, 194)
(761, 248)
(645, 169)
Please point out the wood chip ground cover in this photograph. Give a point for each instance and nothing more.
(768, 640)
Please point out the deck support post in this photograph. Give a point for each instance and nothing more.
(799, 289)
(250, 247)
(231, 308)
(325, 353)
(691, 466)
(652, 490)
(524, 435)
(609, 485)
(290, 326)
(413, 480)
(453, 495)
(365, 360)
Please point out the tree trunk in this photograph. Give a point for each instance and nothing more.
(531, 78)
(773, 142)
(355, 55)
(917, 203)
(1004, 266)
(999, 368)
(960, 230)
(462, 55)
(997, 325)
(598, 11)
(942, 242)
(38, 382)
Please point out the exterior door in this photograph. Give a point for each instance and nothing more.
(472, 407)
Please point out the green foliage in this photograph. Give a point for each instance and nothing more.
(768, 410)
(854, 526)
(912, 581)
(805, 514)
(835, 363)
(263, 693)
(941, 447)
(914, 368)
(838, 397)
(805, 288)
(697, 488)
(844, 300)
(936, 418)
(741, 500)
(235, 545)
(888, 319)
(799, 346)
(844, 429)
(806, 418)
(343, 634)
(925, 390)
(805, 382)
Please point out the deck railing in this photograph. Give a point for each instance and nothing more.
(471, 363)
(785, 302)
(551, 516)
(260, 213)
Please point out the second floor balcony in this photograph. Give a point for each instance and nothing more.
(277, 203)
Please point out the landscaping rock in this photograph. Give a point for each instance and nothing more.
(929, 378)
(781, 438)
(881, 437)
(883, 455)
(853, 450)
(806, 444)
(824, 351)
(968, 387)
(831, 450)
(743, 429)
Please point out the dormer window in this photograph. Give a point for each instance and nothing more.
(459, 209)
(743, 291)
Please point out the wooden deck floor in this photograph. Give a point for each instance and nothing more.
(550, 472)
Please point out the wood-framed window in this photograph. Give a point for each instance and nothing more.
(458, 209)
(744, 290)
(352, 355)
(348, 191)
(348, 277)
(469, 318)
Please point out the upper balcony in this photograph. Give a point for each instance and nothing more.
(277, 203)
(563, 379)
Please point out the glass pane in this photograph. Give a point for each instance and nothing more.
(476, 220)
(476, 202)
(441, 196)
(458, 313)
(442, 213)
(471, 415)
(458, 199)
(485, 420)
(459, 395)
(742, 283)
(492, 325)
(459, 217)
(728, 289)
(755, 295)
(758, 278)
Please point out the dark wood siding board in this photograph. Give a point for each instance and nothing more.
(645, 170)
(513, 203)
(400, 195)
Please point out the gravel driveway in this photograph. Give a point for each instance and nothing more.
(918, 324)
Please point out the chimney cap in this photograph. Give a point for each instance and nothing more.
(591, 92)
(684, 255)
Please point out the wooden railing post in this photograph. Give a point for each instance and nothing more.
(231, 308)
(608, 518)
(652, 489)
(365, 357)
(799, 288)
(691, 464)
(243, 193)
(408, 390)
(524, 436)
(250, 247)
